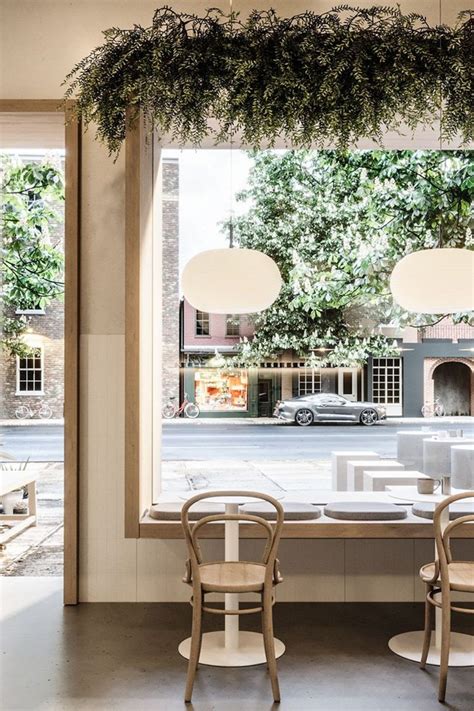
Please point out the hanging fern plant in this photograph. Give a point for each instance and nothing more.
(333, 78)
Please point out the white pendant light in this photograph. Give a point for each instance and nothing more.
(435, 281)
(231, 281)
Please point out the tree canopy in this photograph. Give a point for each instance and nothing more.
(336, 222)
(31, 271)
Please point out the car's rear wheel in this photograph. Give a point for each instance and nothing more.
(304, 417)
(368, 417)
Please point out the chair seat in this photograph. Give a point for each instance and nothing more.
(172, 511)
(426, 510)
(294, 511)
(232, 577)
(461, 575)
(365, 511)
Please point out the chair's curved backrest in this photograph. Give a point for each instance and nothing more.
(273, 533)
(442, 536)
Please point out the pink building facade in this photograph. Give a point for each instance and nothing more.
(220, 334)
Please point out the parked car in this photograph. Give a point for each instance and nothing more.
(328, 407)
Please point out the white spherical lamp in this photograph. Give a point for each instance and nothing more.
(435, 281)
(231, 281)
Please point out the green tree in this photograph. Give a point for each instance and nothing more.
(32, 262)
(336, 222)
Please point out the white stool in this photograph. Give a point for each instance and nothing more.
(437, 455)
(339, 466)
(462, 466)
(356, 469)
(378, 480)
(410, 447)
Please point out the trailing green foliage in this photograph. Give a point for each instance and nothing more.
(336, 223)
(337, 77)
(31, 271)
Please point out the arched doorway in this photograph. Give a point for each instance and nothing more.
(452, 385)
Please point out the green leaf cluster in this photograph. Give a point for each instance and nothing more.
(32, 260)
(336, 223)
(336, 77)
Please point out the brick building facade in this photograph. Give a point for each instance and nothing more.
(40, 379)
(45, 336)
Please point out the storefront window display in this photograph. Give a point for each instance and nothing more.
(221, 390)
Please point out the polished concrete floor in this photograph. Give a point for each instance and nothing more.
(123, 656)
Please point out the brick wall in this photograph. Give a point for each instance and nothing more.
(170, 293)
(446, 329)
(48, 332)
(429, 367)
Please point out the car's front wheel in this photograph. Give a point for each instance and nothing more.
(368, 417)
(304, 417)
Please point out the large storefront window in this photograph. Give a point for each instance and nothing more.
(221, 390)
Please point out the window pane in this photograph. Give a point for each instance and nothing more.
(202, 323)
(233, 325)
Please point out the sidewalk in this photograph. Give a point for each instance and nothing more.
(31, 422)
(421, 421)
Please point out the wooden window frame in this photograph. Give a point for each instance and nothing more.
(72, 143)
(139, 463)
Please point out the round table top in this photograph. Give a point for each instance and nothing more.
(411, 494)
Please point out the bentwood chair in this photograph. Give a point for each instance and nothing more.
(445, 576)
(232, 577)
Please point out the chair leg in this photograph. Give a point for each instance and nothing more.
(428, 628)
(445, 643)
(269, 643)
(264, 636)
(195, 645)
(203, 603)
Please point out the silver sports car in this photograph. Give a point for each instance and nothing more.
(327, 407)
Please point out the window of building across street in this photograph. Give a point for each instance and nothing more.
(309, 381)
(218, 389)
(386, 380)
(30, 372)
(202, 323)
(233, 325)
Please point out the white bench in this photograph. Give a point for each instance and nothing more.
(356, 469)
(339, 465)
(14, 524)
(378, 480)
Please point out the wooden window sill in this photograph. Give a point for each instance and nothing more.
(324, 527)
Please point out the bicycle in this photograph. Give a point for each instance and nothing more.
(189, 409)
(43, 411)
(433, 409)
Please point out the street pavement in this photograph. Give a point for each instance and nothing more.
(187, 441)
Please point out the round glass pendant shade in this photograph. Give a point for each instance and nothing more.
(435, 281)
(231, 281)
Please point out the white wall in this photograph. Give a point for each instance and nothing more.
(40, 41)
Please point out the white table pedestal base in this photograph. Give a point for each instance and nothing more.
(410, 644)
(249, 651)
